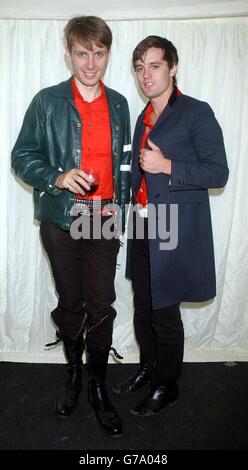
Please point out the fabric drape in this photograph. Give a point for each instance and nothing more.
(213, 66)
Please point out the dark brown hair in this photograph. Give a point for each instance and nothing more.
(169, 50)
(86, 30)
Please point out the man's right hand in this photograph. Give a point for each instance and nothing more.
(76, 181)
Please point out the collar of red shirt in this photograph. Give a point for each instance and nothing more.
(76, 93)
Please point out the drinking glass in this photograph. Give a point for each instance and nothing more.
(94, 179)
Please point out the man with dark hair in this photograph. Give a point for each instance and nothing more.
(178, 153)
(69, 128)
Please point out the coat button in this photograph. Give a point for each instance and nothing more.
(79, 124)
(157, 194)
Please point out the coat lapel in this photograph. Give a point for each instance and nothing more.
(136, 172)
(139, 130)
(169, 109)
(167, 112)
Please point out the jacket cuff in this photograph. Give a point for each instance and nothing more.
(51, 188)
(178, 175)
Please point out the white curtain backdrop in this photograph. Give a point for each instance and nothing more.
(213, 67)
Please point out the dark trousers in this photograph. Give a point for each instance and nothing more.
(84, 272)
(159, 333)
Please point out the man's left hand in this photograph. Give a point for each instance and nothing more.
(153, 161)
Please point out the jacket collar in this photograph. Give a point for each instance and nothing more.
(168, 110)
(64, 90)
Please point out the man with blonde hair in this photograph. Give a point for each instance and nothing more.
(68, 128)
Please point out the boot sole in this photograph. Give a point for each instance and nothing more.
(68, 415)
(126, 394)
(114, 436)
(123, 394)
(171, 403)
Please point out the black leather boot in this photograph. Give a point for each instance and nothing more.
(134, 383)
(66, 403)
(106, 415)
(159, 397)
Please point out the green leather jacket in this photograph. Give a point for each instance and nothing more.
(50, 142)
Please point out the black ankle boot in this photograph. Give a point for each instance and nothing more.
(106, 415)
(134, 383)
(159, 397)
(66, 403)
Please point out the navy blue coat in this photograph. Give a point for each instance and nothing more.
(188, 133)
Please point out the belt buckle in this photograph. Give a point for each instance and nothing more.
(84, 209)
(80, 209)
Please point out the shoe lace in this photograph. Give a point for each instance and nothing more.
(54, 343)
(116, 353)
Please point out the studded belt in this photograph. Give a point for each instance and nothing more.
(90, 206)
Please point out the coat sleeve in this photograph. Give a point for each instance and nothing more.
(125, 164)
(210, 170)
(28, 157)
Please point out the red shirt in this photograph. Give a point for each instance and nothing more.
(141, 197)
(96, 140)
